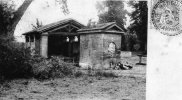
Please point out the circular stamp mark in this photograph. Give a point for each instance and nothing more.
(166, 17)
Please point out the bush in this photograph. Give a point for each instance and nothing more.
(17, 62)
(78, 74)
(50, 68)
(14, 61)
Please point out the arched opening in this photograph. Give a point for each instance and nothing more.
(112, 47)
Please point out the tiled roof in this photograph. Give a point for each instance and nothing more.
(98, 26)
(53, 25)
(104, 27)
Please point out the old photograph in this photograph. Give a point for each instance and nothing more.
(73, 49)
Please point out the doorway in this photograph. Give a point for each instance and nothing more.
(66, 46)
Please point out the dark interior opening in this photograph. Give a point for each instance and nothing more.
(65, 46)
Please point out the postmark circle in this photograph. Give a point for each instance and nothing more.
(166, 17)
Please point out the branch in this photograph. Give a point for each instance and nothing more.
(21, 10)
(18, 14)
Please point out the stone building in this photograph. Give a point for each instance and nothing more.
(69, 38)
(99, 45)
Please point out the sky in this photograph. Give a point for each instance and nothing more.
(48, 11)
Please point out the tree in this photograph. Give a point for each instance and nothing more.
(5, 16)
(110, 11)
(91, 23)
(37, 25)
(140, 18)
(18, 14)
(15, 15)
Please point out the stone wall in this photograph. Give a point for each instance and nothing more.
(94, 46)
(112, 58)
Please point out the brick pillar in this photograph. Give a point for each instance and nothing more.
(44, 45)
(29, 41)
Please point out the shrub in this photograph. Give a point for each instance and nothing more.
(136, 47)
(14, 61)
(78, 74)
(50, 68)
(17, 62)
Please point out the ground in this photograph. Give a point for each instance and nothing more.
(130, 85)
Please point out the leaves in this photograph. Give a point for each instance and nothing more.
(50, 68)
(140, 19)
(6, 14)
(38, 24)
(63, 5)
(111, 11)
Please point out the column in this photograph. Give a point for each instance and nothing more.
(69, 47)
(44, 45)
(34, 41)
(29, 41)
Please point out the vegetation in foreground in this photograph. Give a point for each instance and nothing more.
(20, 65)
(80, 88)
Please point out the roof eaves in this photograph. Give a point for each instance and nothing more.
(101, 31)
(53, 25)
(49, 26)
(109, 24)
(29, 32)
(98, 27)
(90, 31)
(75, 21)
(109, 27)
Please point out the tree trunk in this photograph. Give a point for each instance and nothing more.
(21, 10)
(17, 16)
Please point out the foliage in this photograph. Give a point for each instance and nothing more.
(91, 24)
(111, 11)
(78, 74)
(14, 61)
(129, 41)
(38, 24)
(63, 5)
(136, 47)
(6, 13)
(14, 57)
(50, 68)
(139, 17)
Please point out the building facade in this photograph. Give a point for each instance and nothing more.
(60, 38)
(89, 46)
(100, 45)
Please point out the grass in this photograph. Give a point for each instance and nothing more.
(105, 74)
(80, 88)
